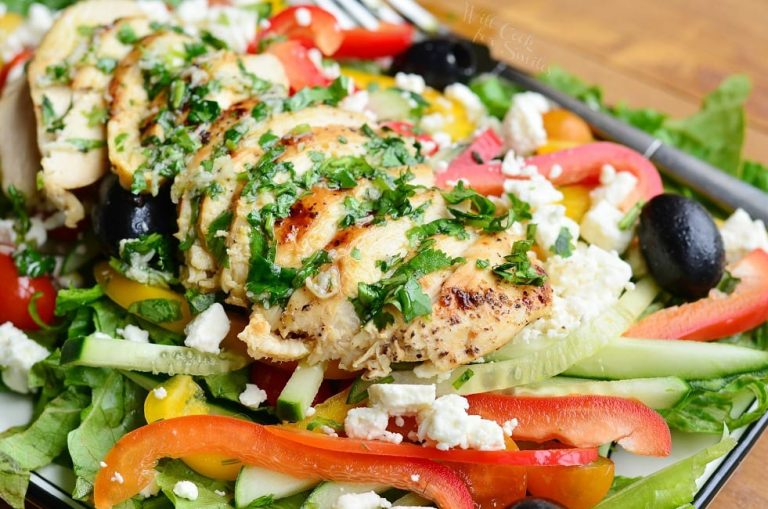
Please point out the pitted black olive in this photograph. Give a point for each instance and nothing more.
(121, 214)
(682, 245)
(535, 503)
(442, 61)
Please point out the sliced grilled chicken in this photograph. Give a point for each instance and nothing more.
(68, 100)
(166, 96)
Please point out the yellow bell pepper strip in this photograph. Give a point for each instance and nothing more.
(457, 124)
(180, 396)
(136, 455)
(576, 201)
(126, 292)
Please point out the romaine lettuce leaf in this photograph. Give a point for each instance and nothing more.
(172, 471)
(670, 487)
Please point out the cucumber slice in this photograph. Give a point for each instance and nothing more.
(690, 360)
(256, 482)
(389, 104)
(516, 364)
(657, 393)
(299, 392)
(149, 357)
(326, 494)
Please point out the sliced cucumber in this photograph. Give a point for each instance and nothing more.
(256, 482)
(389, 104)
(516, 364)
(148, 357)
(327, 493)
(657, 393)
(690, 360)
(299, 392)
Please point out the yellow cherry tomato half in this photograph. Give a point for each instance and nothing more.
(564, 125)
(180, 396)
(556, 146)
(127, 293)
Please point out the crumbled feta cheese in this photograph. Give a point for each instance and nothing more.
(156, 10)
(370, 424)
(537, 191)
(410, 82)
(357, 102)
(429, 370)
(583, 286)
(235, 26)
(448, 424)
(600, 226)
(741, 235)
(328, 431)
(523, 125)
(18, 354)
(368, 500)
(442, 139)
(151, 489)
(303, 17)
(37, 233)
(401, 399)
(415, 477)
(310, 411)
(134, 333)
(160, 392)
(103, 464)
(549, 220)
(515, 166)
(399, 421)
(206, 331)
(464, 95)
(117, 477)
(555, 171)
(433, 122)
(186, 489)
(614, 186)
(509, 426)
(253, 396)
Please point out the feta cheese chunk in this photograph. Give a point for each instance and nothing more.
(253, 396)
(303, 17)
(18, 354)
(410, 82)
(367, 500)
(600, 226)
(134, 333)
(537, 191)
(401, 399)
(370, 424)
(523, 125)
(447, 423)
(741, 235)
(186, 489)
(472, 104)
(614, 186)
(550, 220)
(206, 331)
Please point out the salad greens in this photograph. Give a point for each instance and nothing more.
(670, 487)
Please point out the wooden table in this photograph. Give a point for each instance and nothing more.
(663, 54)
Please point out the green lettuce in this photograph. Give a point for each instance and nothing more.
(24, 450)
(670, 487)
(172, 471)
(116, 408)
(227, 386)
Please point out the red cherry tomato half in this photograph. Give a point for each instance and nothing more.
(310, 25)
(386, 41)
(17, 293)
(301, 71)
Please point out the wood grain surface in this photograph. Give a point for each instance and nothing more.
(663, 54)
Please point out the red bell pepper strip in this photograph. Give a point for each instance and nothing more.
(19, 59)
(322, 32)
(301, 71)
(387, 40)
(580, 165)
(136, 454)
(718, 315)
(582, 421)
(386, 449)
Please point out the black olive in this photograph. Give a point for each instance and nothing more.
(535, 503)
(121, 214)
(682, 245)
(442, 61)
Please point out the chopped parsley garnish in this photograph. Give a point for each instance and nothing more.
(85, 145)
(203, 111)
(482, 264)
(518, 268)
(126, 35)
(260, 112)
(58, 73)
(344, 172)
(18, 203)
(401, 290)
(319, 422)
(356, 211)
(463, 378)
(481, 212)
(120, 141)
(97, 116)
(148, 259)
(157, 310)
(331, 95)
(630, 218)
(389, 151)
(189, 239)
(51, 122)
(106, 65)
(33, 263)
(217, 244)
(355, 254)
(728, 283)
(199, 302)
(177, 94)
(358, 392)
(563, 246)
(213, 41)
(452, 227)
